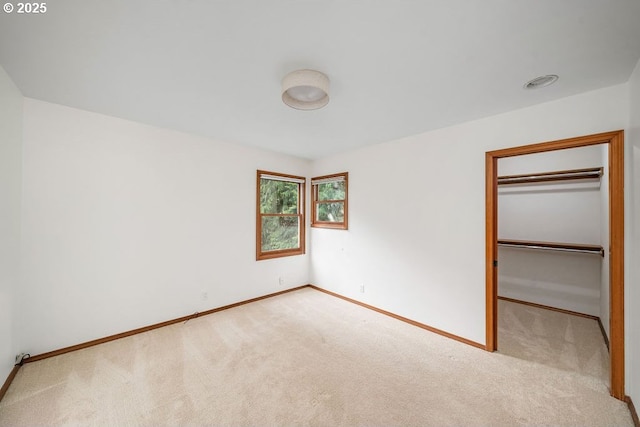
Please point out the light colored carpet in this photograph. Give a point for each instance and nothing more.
(302, 358)
(554, 339)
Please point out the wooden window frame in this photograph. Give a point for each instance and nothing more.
(301, 181)
(344, 225)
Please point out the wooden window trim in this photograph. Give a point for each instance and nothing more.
(344, 225)
(301, 181)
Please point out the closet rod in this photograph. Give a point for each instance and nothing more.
(564, 175)
(553, 246)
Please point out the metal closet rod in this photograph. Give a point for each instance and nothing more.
(564, 175)
(553, 246)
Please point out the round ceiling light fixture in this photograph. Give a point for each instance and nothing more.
(305, 89)
(541, 81)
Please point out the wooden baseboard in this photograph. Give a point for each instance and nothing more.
(632, 409)
(8, 381)
(151, 327)
(604, 334)
(548, 307)
(404, 319)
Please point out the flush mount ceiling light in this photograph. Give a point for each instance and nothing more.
(305, 89)
(541, 81)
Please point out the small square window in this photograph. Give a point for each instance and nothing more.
(330, 201)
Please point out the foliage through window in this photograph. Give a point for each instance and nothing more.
(330, 201)
(280, 215)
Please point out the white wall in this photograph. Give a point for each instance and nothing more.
(632, 235)
(10, 171)
(555, 212)
(416, 235)
(125, 225)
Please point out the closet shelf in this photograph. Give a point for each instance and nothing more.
(553, 246)
(564, 175)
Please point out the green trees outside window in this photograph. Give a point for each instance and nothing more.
(280, 219)
(330, 206)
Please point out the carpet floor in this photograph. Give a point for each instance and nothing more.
(559, 340)
(305, 358)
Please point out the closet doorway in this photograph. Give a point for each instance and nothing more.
(615, 144)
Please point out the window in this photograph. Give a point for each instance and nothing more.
(280, 217)
(330, 201)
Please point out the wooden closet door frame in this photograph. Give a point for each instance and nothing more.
(615, 141)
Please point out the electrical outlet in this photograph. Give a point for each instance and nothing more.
(204, 295)
(281, 281)
(362, 289)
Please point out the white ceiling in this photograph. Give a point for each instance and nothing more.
(397, 67)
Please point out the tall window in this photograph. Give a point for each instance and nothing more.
(330, 201)
(280, 219)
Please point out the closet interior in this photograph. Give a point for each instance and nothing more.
(553, 256)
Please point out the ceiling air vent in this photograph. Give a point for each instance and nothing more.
(541, 81)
